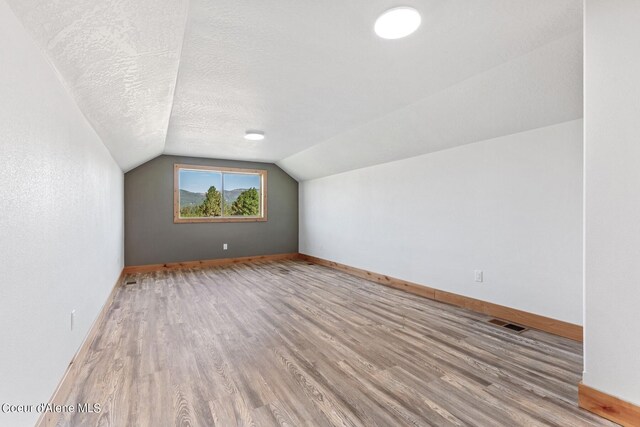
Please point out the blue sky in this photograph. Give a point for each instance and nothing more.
(199, 181)
(237, 180)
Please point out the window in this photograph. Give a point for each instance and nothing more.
(216, 194)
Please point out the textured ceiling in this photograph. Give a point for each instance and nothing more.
(329, 94)
(541, 88)
(119, 59)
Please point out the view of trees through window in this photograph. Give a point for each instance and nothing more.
(206, 193)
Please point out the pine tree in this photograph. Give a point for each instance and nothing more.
(247, 203)
(212, 204)
(189, 211)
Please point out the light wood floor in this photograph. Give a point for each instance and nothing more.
(289, 343)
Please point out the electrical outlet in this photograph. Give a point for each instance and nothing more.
(224, 247)
(73, 319)
(478, 275)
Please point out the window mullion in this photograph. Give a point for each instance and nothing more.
(222, 197)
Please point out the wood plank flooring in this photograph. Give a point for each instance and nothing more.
(288, 343)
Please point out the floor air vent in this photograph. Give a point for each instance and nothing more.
(516, 328)
(512, 326)
(132, 282)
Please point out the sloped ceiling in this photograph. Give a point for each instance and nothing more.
(190, 78)
(119, 59)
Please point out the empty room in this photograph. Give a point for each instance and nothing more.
(319, 213)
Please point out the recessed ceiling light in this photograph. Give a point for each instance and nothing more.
(397, 22)
(254, 135)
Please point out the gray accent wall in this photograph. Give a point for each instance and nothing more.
(151, 237)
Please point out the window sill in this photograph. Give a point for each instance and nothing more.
(197, 220)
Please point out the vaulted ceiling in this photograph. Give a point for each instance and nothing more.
(190, 77)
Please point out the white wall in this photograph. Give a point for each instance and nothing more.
(612, 197)
(510, 206)
(61, 223)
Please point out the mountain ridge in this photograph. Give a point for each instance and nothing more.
(190, 198)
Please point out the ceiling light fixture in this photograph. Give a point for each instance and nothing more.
(254, 135)
(397, 22)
